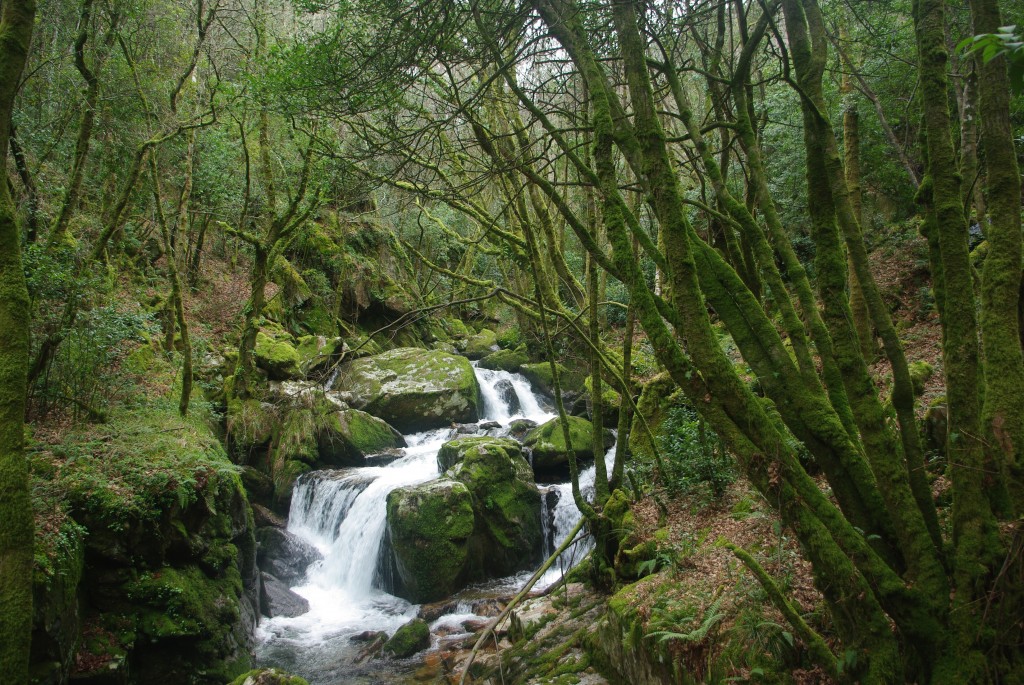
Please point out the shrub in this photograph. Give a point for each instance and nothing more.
(694, 455)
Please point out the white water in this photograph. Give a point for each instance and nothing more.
(343, 514)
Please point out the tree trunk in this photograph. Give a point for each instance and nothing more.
(16, 520)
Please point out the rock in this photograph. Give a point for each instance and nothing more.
(277, 599)
(429, 527)
(488, 425)
(920, 373)
(384, 458)
(284, 554)
(367, 636)
(268, 676)
(506, 501)
(540, 378)
(349, 436)
(413, 637)
(610, 402)
(474, 625)
(413, 389)
(481, 345)
(315, 353)
(505, 360)
(277, 357)
(265, 517)
(658, 397)
(372, 647)
(432, 611)
(507, 392)
(520, 427)
(547, 444)
(936, 425)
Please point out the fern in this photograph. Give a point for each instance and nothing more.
(712, 617)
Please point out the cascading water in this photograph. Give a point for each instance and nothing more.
(343, 514)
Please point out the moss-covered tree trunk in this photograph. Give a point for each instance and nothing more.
(851, 162)
(16, 522)
(1003, 409)
(976, 546)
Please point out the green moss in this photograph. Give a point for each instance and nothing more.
(277, 357)
(413, 389)
(505, 360)
(547, 443)
(540, 377)
(658, 397)
(185, 602)
(413, 637)
(429, 527)
(481, 344)
(920, 373)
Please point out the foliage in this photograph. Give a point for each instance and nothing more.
(1007, 42)
(695, 457)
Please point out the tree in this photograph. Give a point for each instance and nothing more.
(16, 523)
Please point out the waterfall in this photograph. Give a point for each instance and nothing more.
(343, 514)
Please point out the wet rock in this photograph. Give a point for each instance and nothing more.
(507, 392)
(488, 425)
(367, 636)
(481, 345)
(268, 676)
(350, 436)
(264, 517)
(413, 389)
(432, 611)
(413, 637)
(429, 527)
(283, 554)
(548, 447)
(384, 458)
(505, 360)
(520, 427)
(277, 599)
(373, 647)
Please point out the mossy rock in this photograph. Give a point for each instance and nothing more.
(540, 378)
(506, 502)
(936, 425)
(920, 373)
(268, 676)
(349, 436)
(429, 529)
(315, 352)
(609, 402)
(413, 389)
(481, 344)
(547, 446)
(505, 360)
(411, 638)
(277, 357)
(658, 397)
(59, 563)
(456, 329)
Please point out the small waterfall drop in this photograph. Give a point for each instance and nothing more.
(343, 514)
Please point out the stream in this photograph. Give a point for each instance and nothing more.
(343, 514)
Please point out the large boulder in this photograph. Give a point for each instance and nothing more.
(505, 360)
(506, 501)
(540, 378)
(430, 530)
(350, 435)
(482, 344)
(277, 356)
(548, 450)
(277, 599)
(283, 554)
(413, 389)
(480, 520)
